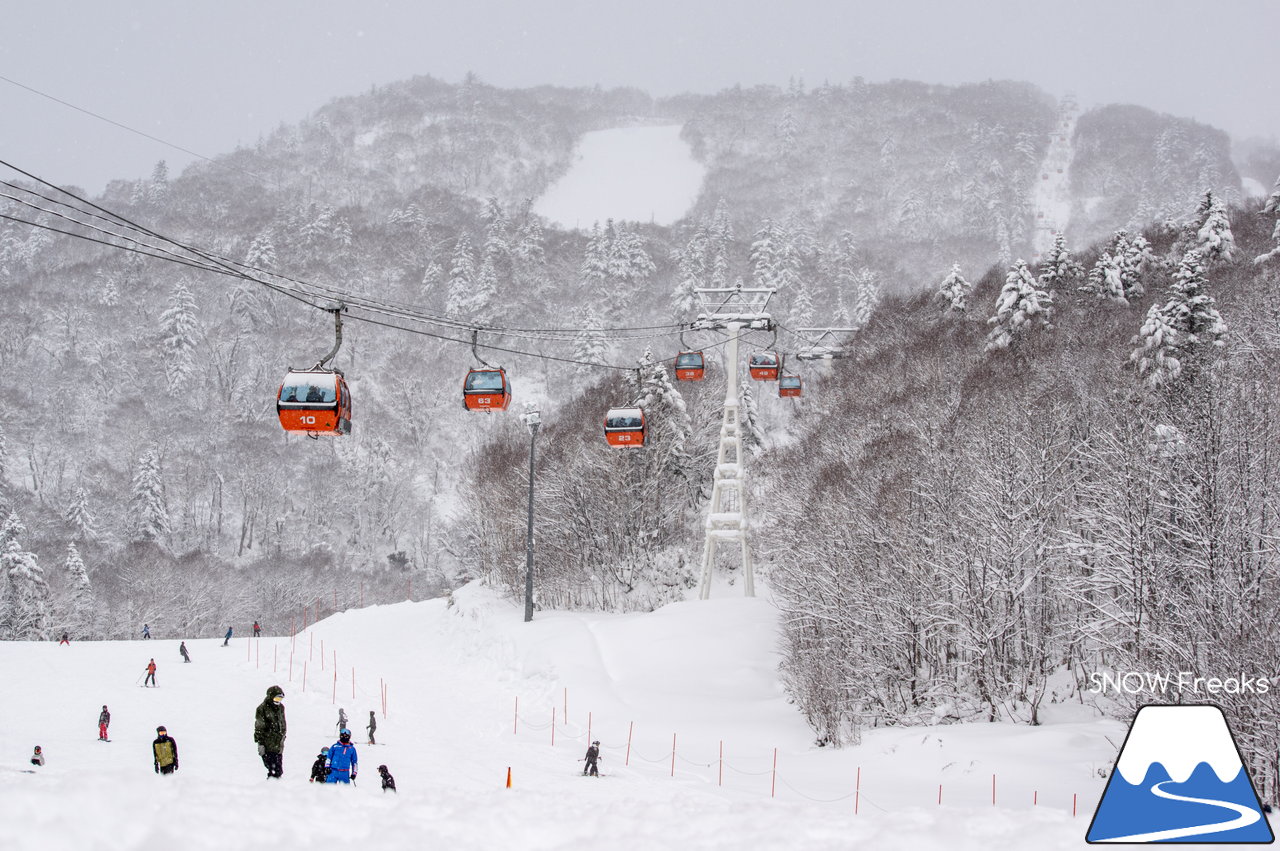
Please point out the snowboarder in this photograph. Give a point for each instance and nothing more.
(593, 754)
(388, 782)
(104, 718)
(66, 639)
(227, 638)
(257, 630)
(318, 770)
(146, 632)
(165, 752)
(37, 757)
(373, 725)
(342, 719)
(151, 673)
(343, 760)
(269, 731)
(182, 648)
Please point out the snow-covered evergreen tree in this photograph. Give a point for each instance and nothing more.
(590, 344)
(1059, 267)
(661, 400)
(178, 335)
(81, 592)
(262, 252)
(4, 470)
(1105, 279)
(954, 291)
(691, 274)
(1020, 307)
(1272, 207)
(763, 255)
(26, 609)
(80, 515)
(148, 508)
(1178, 334)
(753, 436)
(1214, 239)
(462, 278)
(866, 295)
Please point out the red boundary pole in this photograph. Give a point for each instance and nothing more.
(335, 687)
(630, 728)
(673, 754)
(857, 791)
(553, 726)
(939, 794)
(304, 676)
(515, 718)
(773, 787)
(993, 790)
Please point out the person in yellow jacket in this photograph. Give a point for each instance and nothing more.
(165, 752)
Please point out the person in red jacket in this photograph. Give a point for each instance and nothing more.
(151, 673)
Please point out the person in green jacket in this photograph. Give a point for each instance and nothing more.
(269, 731)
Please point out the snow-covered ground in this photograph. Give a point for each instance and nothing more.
(472, 692)
(644, 174)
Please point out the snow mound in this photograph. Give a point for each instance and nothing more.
(643, 174)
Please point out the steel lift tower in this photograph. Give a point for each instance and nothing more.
(734, 310)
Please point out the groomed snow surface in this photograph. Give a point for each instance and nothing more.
(642, 174)
(701, 672)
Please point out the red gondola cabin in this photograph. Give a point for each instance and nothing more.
(624, 428)
(486, 390)
(689, 366)
(789, 385)
(765, 366)
(314, 401)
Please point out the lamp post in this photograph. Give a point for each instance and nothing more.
(532, 419)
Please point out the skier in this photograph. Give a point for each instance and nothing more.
(182, 648)
(343, 760)
(373, 725)
(104, 718)
(146, 632)
(257, 630)
(342, 719)
(151, 673)
(65, 639)
(269, 731)
(227, 638)
(37, 757)
(593, 754)
(318, 770)
(388, 782)
(165, 752)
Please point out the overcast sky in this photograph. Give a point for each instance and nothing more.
(207, 75)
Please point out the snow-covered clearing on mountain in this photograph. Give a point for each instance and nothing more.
(1052, 202)
(694, 673)
(643, 174)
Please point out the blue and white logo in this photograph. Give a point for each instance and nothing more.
(1179, 778)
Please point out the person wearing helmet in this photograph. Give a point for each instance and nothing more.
(164, 752)
(593, 754)
(343, 760)
(269, 731)
(319, 771)
(37, 757)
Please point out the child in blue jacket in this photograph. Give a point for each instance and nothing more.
(343, 760)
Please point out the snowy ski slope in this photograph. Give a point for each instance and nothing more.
(694, 674)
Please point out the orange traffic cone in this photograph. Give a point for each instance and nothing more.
(508, 777)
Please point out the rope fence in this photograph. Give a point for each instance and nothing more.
(565, 733)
